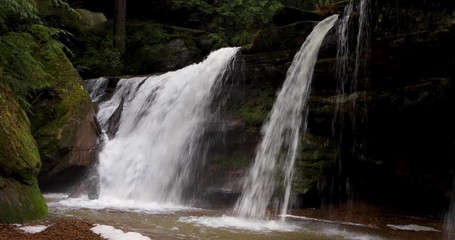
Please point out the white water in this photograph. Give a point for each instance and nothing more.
(281, 133)
(149, 160)
(229, 222)
(126, 89)
(96, 88)
(363, 42)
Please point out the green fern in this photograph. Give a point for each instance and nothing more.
(25, 44)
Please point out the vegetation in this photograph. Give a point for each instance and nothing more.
(255, 111)
(28, 47)
(20, 197)
(236, 20)
(26, 43)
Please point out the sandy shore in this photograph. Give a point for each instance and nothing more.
(64, 229)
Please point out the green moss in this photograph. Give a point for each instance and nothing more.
(255, 110)
(20, 197)
(67, 100)
(19, 154)
(19, 202)
(316, 158)
(222, 163)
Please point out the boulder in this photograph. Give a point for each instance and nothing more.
(20, 196)
(64, 125)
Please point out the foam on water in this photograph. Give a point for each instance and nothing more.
(327, 221)
(335, 232)
(412, 227)
(122, 205)
(241, 224)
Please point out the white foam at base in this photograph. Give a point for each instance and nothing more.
(111, 233)
(33, 229)
(122, 205)
(327, 221)
(333, 232)
(55, 196)
(412, 227)
(241, 223)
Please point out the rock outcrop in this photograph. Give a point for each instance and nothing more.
(64, 125)
(20, 196)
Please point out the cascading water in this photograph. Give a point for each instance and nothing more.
(96, 88)
(150, 157)
(281, 134)
(125, 91)
(347, 73)
(342, 67)
(343, 73)
(363, 42)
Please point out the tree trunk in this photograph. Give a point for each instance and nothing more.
(120, 25)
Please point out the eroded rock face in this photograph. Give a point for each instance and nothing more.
(64, 126)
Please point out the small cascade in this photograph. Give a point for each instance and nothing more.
(346, 77)
(96, 88)
(351, 66)
(281, 133)
(163, 117)
(125, 91)
(342, 67)
(363, 42)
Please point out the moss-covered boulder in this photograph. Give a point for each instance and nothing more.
(64, 124)
(20, 196)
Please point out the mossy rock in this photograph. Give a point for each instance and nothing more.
(19, 157)
(63, 121)
(316, 158)
(20, 197)
(20, 202)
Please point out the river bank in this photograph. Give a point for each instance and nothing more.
(62, 229)
(74, 218)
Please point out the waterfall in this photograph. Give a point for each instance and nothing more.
(281, 133)
(126, 89)
(96, 88)
(363, 43)
(351, 64)
(343, 73)
(342, 64)
(163, 117)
